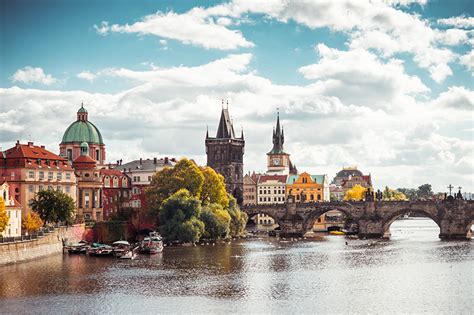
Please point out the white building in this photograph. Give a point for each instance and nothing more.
(13, 209)
(270, 190)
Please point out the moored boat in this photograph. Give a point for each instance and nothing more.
(77, 248)
(151, 244)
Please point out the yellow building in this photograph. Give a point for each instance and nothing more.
(308, 188)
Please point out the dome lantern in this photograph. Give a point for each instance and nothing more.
(82, 113)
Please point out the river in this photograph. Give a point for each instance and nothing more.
(414, 272)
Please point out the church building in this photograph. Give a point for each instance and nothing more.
(278, 161)
(225, 153)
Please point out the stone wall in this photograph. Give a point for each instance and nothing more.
(47, 245)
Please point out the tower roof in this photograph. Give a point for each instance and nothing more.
(278, 138)
(225, 129)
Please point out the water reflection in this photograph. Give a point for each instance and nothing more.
(413, 272)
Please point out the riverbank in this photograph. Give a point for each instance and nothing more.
(49, 244)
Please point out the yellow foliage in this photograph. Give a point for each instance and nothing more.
(32, 222)
(356, 193)
(3, 216)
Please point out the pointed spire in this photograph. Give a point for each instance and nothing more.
(241, 132)
(278, 137)
(225, 129)
(207, 132)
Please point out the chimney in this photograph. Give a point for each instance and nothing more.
(141, 160)
(17, 143)
(154, 161)
(30, 144)
(42, 147)
(166, 160)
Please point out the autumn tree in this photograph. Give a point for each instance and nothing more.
(32, 222)
(179, 215)
(3, 216)
(356, 193)
(213, 188)
(184, 175)
(238, 218)
(53, 206)
(393, 195)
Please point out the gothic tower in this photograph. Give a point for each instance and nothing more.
(225, 155)
(278, 161)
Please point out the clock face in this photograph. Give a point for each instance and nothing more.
(276, 161)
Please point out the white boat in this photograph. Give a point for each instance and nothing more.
(131, 254)
(151, 244)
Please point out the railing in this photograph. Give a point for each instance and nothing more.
(30, 237)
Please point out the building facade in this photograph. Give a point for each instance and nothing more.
(117, 191)
(271, 189)
(29, 169)
(278, 161)
(13, 210)
(225, 153)
(250, 189)
(82, 130)
(308, 188)
(89, 187)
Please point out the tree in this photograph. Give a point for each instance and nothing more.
(32, 222)
(213, 188)
(179, 217)
(184, 175)
(410, 193)
(393, 195)
(53, 206)
(238, 218)
(424, 191)
(3, 216)
(216, 222)
(356, 193)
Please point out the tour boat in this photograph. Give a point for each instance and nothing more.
(151, 244)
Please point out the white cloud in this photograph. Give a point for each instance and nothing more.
(457, 97)
(458, 21)
(468, 60)
(358, 77)
(192, 27)
(86, 75)
(29, 75)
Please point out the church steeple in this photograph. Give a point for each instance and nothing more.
(278, 138)
(225, 129)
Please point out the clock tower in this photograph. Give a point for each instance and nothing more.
(278, 161)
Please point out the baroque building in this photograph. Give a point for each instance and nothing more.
(278, 161)
(82, 130)
(225, 153)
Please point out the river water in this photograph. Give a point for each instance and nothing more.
(414, 272)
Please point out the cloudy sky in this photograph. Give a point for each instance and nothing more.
(384, 85)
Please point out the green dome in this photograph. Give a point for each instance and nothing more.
(82, 131)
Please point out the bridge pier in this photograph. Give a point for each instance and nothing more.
(455, 229)
(371, 228)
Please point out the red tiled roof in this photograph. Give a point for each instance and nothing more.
(111, 172)
(32, 156)
(280, 178)
(84, 162)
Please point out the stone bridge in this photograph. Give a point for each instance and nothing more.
(372, 219)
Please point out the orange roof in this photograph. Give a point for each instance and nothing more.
(279, 178)
(84, 162)
(111, 172)
(32, 156)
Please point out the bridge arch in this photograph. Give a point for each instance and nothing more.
(387, 222)
(319, 209)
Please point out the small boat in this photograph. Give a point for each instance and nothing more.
(130, 254)
(337, 233)
(151, 244)
(97, 249)
(121, 248)
(78, 248)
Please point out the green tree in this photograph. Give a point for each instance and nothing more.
(53, 206)
(179, 217)
(213, 188)
(238, 218)
(424, 191)
(216, 222)
(3, 216)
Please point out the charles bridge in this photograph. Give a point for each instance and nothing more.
(372, 219)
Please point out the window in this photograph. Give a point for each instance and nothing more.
(68, 176)
(31, 188)
(68, 189)
(149, 178)
(59, 176)
(311, 197)
(69, 154)
(41, 175)
(40, 187)
(115, 182)
(107, 181)
(97, 155)
(50, 175)
(319, 197)
(50, 187)
(31, 174)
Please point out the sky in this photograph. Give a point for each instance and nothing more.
(385, 85)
